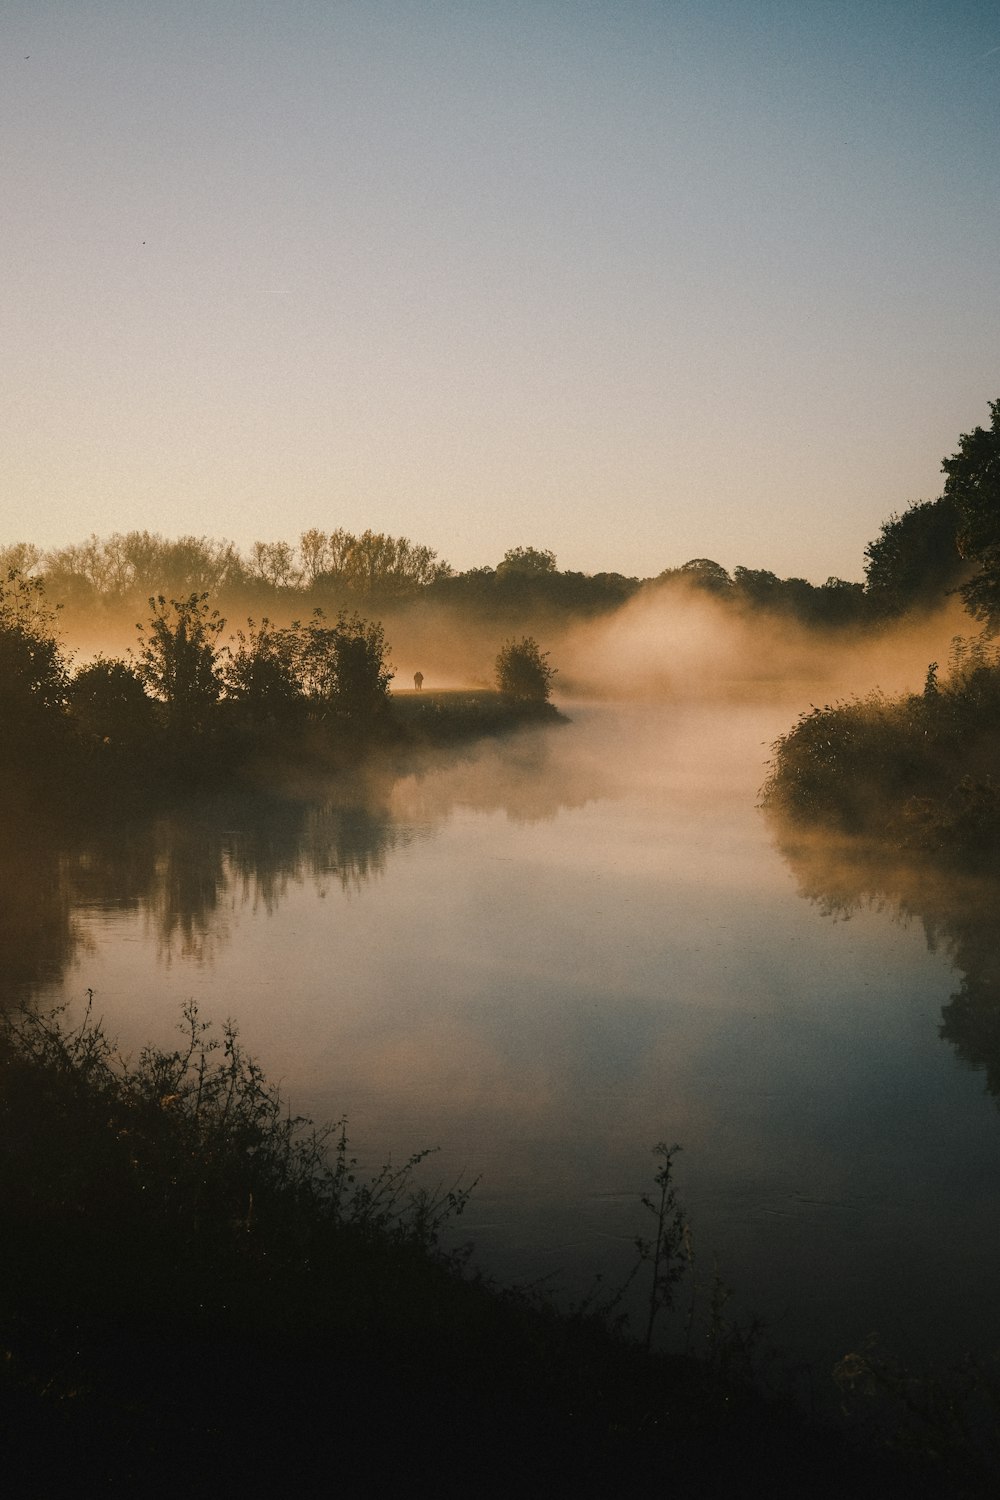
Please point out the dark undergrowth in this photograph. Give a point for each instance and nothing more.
(919, 772)
(202, 1295)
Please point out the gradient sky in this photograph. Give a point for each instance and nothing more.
(638, 281)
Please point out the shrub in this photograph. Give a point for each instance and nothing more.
(109, 702)
(259, 672)
(177, 655)
(523, 672)
(33, 674)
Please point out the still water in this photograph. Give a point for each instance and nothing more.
(546, 954)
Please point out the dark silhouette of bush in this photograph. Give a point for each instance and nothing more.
(341, 668)
(178, 657)
(973, 486)
(34, 678)
(109, 703)
(258, 673)
(914, 771)
(522, 671)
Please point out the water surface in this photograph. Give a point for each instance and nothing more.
(546, 954)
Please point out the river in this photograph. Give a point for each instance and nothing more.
(544, 955)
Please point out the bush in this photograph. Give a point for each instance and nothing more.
(109, 702)
(177, 656)
(259, 672)
(523, 672)
(914, 771)
(33, 675)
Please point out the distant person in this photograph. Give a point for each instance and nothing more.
(418, 680)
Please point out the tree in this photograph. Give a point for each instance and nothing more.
(109, 702)
(370, 565)
(19, 557)
(33, 673)
(259, 672)
(526, 562)
(273, 563)
(707, 574)
(914, 561)
(177, 656)
(523, 672)
(313, 550)
(361, 673)
(341, 667)
(132, 565)
(973, 485)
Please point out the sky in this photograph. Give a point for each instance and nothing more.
(636, 281)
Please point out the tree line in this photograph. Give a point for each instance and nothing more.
(189, 701)
(933, 549)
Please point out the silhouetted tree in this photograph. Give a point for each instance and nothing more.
(259, 671)
(33, 675)
(341, 667)
(313, 550)
(528, 562)
(361, 673)
(109, 702)
(523, 672)
(700, 573)
(273, 563)
(372, 565)
(914, 562)
(19, 557)
(131, 566)
(973, 485)
(177, 656)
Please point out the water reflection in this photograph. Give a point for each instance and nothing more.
(188, 871)
(960, 915)
(38, 934)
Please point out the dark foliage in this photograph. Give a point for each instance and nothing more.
(522, 671)
(914, 562)
(259, 673)
(178, 657)
(199, 1293)
(108, 702)
(917, 770)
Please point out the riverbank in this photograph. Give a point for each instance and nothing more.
(72, 778)
(916, 772)
(201, 1294)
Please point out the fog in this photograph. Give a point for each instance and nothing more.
(661, 646)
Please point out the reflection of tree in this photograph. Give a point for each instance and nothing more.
(184, 871)
(37, 932)
(189, 870)
(960, 915)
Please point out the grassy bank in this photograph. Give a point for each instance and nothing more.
(446, 716)
(199, 1294)
(916, 771)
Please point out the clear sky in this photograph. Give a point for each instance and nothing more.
(637, 281)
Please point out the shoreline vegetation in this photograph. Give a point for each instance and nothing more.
(192, 710)
(202, 1292)
(917, 772)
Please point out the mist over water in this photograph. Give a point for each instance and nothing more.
(545, 953)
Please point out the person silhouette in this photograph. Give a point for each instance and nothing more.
(418, 680)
